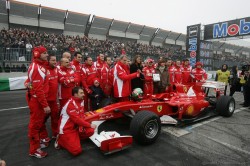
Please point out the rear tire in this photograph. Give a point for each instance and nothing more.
(225, 106)
(145, 127)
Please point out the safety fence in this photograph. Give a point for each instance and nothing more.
(18, 59)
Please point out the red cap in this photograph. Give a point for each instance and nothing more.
(96, 79)
(198, 63)
(150, 60)
(37, 51)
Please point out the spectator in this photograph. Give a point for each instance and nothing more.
(2, 163)
(222, 75)
(97, 94)
(134, 67)
(23, 68)
(7, 68)
(162, 85)
(234, 81)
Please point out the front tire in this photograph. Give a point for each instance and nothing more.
(225, 106)
(145, 127)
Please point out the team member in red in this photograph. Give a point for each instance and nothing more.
(100, 62)
(89, 73)
(177, 72)
(106, 77)
(171, 69)
(198, 73)
(122, 79)
(52, 95)
(76, 65)
(186, 72)
(36, 98)
(148, 72)
(68, 79)
(72, 126)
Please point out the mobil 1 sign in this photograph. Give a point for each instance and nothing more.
(193, 43)
(232, 28)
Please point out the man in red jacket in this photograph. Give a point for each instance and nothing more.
(68, 79)
(106, 77)
(148, 72)
(122, 79)
(198, 73)
(186, 72)
(52, 95)
(72, 126)
(178, 72)
(76, 65)
(36, 97)
(89, 73)
(99, 63)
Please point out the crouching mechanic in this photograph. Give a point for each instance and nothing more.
(72, 126)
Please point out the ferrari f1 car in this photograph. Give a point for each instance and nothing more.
(184, 104)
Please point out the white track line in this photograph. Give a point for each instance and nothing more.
(211, 120)
(13, 108)
(226, 144)
(178, 132)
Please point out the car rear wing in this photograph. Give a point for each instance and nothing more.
(214, 84)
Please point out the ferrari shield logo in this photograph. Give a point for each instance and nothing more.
(159, 108)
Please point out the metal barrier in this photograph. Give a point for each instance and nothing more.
(18, 59)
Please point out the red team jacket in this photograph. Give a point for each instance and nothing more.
(186, 71)
(53, 83)
(77, 67)
(177, 74)
(72, 116)
(171, 70)
(38, 81)
(199, 75)
(122, 79)
(68, 79)
(89, 73)
(106, 79)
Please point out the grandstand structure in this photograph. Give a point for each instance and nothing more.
(38, 18)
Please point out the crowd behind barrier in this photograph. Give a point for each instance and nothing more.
(16, 46)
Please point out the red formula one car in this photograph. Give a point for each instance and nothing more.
(185, 104)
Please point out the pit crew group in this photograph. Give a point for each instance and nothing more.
(81, 87)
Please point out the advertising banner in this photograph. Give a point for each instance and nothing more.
(193, 43)
(232, 28)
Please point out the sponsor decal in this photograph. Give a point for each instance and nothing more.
(99, 110)
(224, 29)
(106, 116)
(159, 108)
(190, 109)
(193, 43)
(231, 28)
(145, 106)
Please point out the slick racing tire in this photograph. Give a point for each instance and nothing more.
(225, 106)
(145, 127)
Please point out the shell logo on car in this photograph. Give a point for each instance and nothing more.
(190, 109)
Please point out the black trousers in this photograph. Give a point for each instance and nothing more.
(246, 94)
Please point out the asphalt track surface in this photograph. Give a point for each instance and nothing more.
(217, 141)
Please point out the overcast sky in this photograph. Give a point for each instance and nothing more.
(174, 15)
